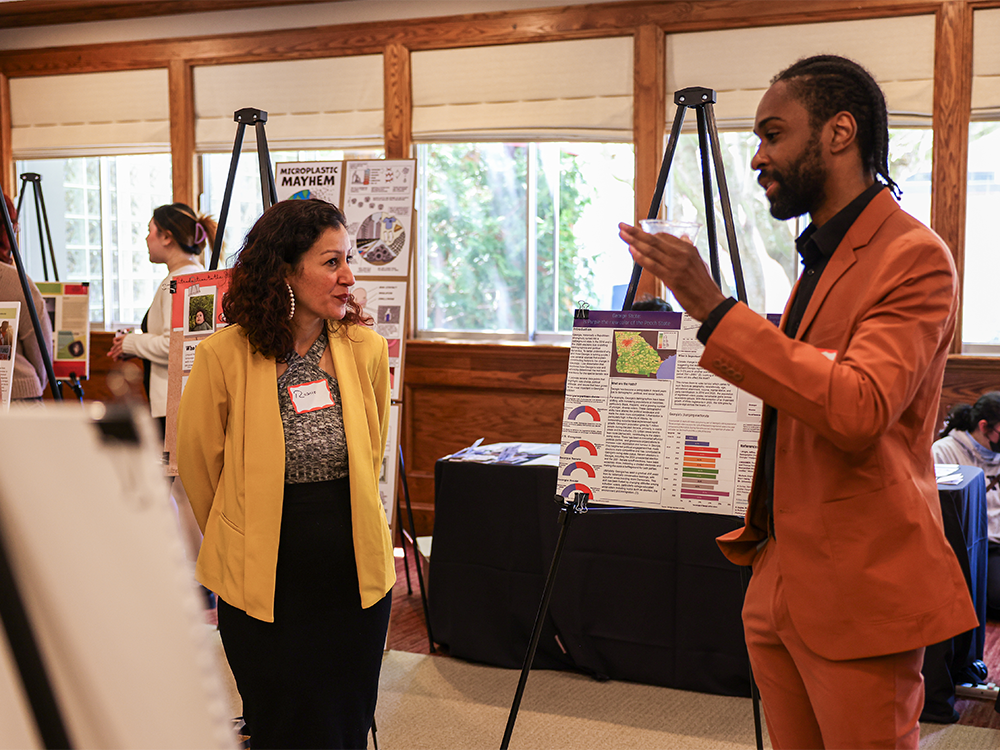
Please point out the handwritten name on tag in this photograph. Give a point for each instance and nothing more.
(310, 396)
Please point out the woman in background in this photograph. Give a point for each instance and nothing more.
(30, 378)
(971, 437)
(177, 236)
(281, 433)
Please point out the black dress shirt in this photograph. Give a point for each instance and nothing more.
(816, 246)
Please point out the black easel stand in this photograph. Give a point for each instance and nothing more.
(42, 215)
(701, 100)
(269, 194)
(29, 302)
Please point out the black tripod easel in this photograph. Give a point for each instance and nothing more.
(269, 194)
(702, 101)
(8, 227)
(45, 233)
(35, 180)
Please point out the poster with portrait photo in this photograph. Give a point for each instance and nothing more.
(68, 308)
(385, 303)
(192, 293)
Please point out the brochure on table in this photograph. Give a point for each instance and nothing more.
(645, 426)
(68, 308)
(8, 349)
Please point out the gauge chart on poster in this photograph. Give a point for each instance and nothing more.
(645, 426)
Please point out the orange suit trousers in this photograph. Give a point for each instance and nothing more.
(812, 702)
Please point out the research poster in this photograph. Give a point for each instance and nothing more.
(645, 426)
(378, 203)
(390, 465)
(376, 197)
(195, 313)
(68, 308)
(309, 179)
(385, 303)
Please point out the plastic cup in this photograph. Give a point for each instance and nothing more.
(684, 229)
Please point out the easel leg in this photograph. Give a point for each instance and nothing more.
(567, 513)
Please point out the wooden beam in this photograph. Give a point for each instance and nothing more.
(648, 127)
(7, 177)
(20, 13)
(398, 102)
(952, 109)
(181, 85)
(507, 27)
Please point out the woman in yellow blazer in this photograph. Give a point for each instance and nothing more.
(281, 433)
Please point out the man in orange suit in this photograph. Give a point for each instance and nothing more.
(852, 575)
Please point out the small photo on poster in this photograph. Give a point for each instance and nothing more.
(200, 316)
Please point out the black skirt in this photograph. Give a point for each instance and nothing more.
(310, 678)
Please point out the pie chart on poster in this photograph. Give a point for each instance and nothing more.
(381, 238)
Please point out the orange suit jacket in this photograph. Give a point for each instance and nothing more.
(866, 568)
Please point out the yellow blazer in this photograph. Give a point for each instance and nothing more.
(231, 458)
(866, 567)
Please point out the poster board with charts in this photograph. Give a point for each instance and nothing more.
(644, 425)
(99, 563)
(68, 308)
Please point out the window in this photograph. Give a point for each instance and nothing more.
(767, 252)
(245, 204)
(98, 210)
(513, 236)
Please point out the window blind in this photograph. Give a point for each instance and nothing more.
(87, 114)
(324, 103)
(986, 65)
(578, 89)
(739, 63)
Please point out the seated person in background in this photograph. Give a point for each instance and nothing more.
(971, 437)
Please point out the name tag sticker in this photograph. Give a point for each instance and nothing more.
(310, 396)
(830, 354)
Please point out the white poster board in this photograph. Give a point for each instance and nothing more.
(96, 551)
(8, 349)
(644, 425)
(390, 466)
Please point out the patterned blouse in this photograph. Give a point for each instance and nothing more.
(309, 401)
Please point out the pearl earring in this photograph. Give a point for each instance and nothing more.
(291, 297)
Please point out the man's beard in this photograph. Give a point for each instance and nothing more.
(801, 188)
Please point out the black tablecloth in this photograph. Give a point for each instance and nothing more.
(645, 596)
(963, 509)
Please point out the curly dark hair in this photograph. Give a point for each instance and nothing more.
(965, 417)
(257, 299)
(828, 84)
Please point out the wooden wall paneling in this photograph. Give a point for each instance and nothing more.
(456, 393)
(648, 127)
(398, 101)
(965, 380)
(182, 138)
(952, 109)
(8, 180)
(18, 13)
(504, 27)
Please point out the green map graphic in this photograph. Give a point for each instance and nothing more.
(635, 355)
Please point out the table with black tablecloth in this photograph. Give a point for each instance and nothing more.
(963, 510)
(644, 596)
